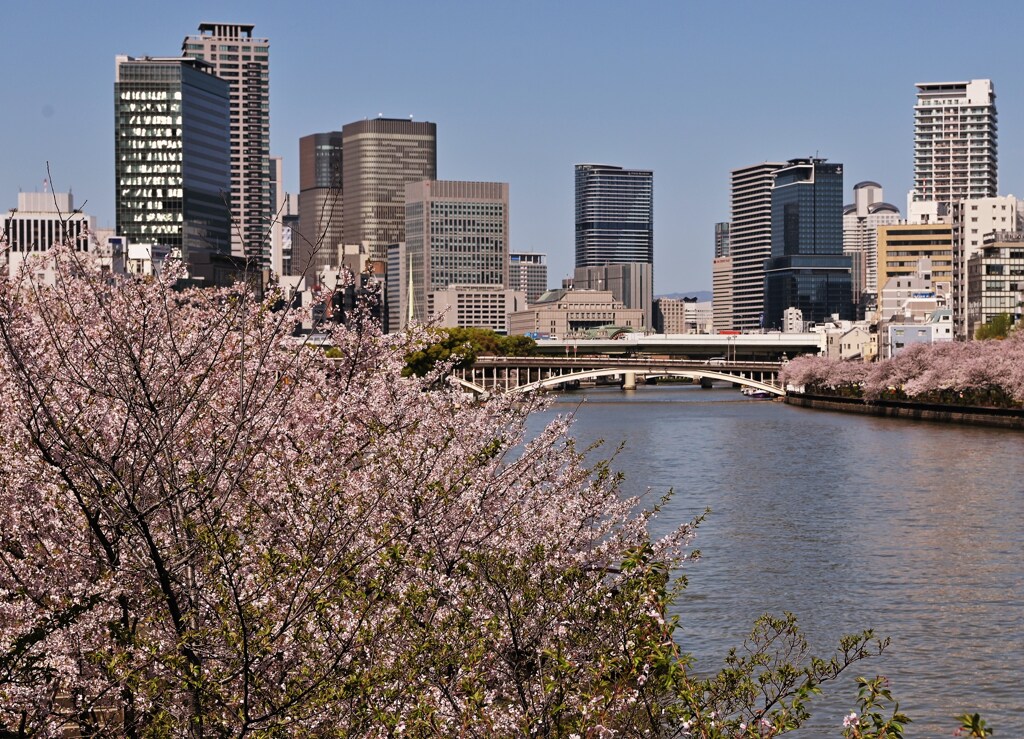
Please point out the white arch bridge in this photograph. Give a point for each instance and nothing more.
(523, 374)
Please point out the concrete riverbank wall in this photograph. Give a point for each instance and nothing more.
(1011, 418)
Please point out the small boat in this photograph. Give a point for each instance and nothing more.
(755, 394)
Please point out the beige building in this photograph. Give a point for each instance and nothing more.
(901, 247)
(675, 316)
(476, 306)
(456, 234)
(561, 314)
(721, 292)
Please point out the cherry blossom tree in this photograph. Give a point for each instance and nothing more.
(212, 529)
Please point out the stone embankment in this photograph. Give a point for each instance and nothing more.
(1012, 418)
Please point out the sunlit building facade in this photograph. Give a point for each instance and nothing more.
(172, 165)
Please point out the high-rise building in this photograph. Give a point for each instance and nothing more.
(382, 156)
(284, 206)
(807, 268)
(861, 220)
(614, 215)
(243, 61)
(750, 241)
(954, 144)
(456, 234)
(721, 278)
(528, 273)
(316, 243)
(172, 163)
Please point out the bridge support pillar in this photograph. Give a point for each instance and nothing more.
(707, 383)
(629, 380)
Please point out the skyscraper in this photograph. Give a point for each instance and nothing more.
(614, 215)
(807, 269)
(381, 156)
(243, 61)
(315, 245)
(615, 234)
(750, 239)
(172, 153)
(955, 152)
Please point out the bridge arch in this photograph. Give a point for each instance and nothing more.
(593, 374)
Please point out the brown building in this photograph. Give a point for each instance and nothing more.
(316, 241)
(383, 155)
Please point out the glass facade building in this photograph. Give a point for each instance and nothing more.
(807, 268)
(172, 156)
(614, 215)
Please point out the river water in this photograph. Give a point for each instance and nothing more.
(910, 528)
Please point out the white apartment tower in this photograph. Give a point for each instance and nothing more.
(954, 145)
(750, 240)
(243, 60)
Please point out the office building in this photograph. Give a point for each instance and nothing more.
(955, 152)
(614, 215)
(172, 164)
(382, 156)
(995, 277)
(861, 220)
(283, 204)
(632, 283)
(908, 249)
(807, 268)
(721, 278)
(682, 316)
(243, 61)
(528, 273)
(319, 236)
(43, 220)
(750, 241)
(456, 233)
(973, 220)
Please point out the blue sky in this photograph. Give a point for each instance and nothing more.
(521, 91)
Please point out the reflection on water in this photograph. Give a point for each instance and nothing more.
(910, 528)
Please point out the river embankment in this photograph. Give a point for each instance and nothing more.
(1012, 418)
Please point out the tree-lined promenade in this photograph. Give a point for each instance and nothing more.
(210, 529)
(983, 373)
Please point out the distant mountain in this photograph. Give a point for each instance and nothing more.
(701, 295)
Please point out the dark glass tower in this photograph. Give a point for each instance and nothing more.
(614, 215)
(315, 243)
(172, 154)
(807, 269)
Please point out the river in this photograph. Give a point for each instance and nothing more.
(913, 529)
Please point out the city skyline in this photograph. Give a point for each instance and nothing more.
(526, 104)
